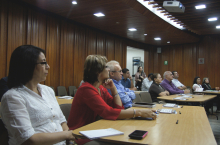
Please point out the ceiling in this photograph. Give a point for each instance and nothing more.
(120, 15)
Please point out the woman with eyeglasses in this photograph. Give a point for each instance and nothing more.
(93, 101)
(206, 85)
(30, 110)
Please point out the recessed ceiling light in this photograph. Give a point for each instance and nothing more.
(145, 34)
(168, 41)
(218, 27)
(157, 38)
(200, 7)
(74, 2)
(99, 14)
(212, 19)
(132, 29)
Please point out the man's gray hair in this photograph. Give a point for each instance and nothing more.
(111, 64)
(165, 74)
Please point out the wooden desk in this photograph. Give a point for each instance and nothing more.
(193, 128)
(197, 98)
(138, 92)
(64, 101)
(210, 92)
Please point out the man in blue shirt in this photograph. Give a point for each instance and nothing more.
(115, 73)
(127, 81)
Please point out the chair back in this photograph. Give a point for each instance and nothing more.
(145, 97)
(61, 91)
(66, 109)
(138, 98)
(75, 91)
(71, 90)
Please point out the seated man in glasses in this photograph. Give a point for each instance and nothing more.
(115, 73)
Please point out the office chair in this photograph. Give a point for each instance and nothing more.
(66, 109)
(61, 91)
(137, 99)
(145, 97)
(71, 90)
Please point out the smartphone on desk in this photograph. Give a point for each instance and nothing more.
(138, 134)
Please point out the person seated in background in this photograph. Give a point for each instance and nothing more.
(127, 81)
(147, 83)
(196, 84)
(156, 90)
(169, 86)
(93, 101)
(206, 85)
(139, 77)
(3, 87)
(176, 82)
(115, 73)
(30, 111)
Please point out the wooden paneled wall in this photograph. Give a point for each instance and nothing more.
(66, 43)
(184, 59)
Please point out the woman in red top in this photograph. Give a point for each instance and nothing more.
(92, 99)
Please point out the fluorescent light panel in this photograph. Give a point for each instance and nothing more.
(200, 7)
(145, 34)
(99, 14)
(212, 19)
(74, 2)
(168, 41)
(132, 29)
(218, 27)
(157, 38)
(159, 14)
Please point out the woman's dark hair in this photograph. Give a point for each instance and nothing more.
(150, 74)
(93, 65)
(195, 80)
(22, 65)
(138, 68)
(154, 76)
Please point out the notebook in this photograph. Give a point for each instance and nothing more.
(66, 97)
(94, 134)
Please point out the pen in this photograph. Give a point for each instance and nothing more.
(179, 112)
(182, 107)
(177, 122)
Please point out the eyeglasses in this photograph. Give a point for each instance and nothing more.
(117, 71)
(46, 64)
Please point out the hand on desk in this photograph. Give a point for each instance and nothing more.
(217, 88)
(147, 113)
(186, 91)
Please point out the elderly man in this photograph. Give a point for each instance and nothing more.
(176, 82)
(127, 80)
(115, 73)
(169, 86)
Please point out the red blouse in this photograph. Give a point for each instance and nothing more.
(88, 104)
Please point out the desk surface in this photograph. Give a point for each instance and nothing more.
(138, 92)
(193, 128)
(197, 98)
(209, 92)
(64, 101)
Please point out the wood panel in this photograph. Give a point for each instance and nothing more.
(3, 38)
(101, 50)
(79, 54)
(53, 52)
(66, 55)
(67, 44)
(36, 29)
(17, 28)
